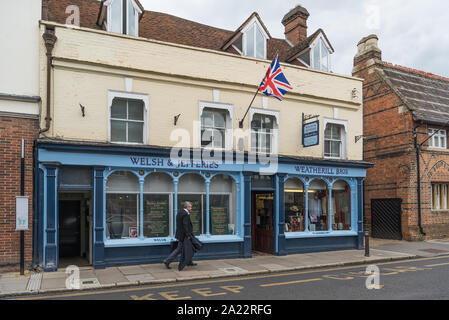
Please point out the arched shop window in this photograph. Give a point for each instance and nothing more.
(341, 206)
(294, 206)
(157, 205)
(222, 205)
(318, 200)
(122, 206)
(192, 188)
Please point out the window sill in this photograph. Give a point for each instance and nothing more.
(120, 243)
(445, 211)
(320, 234)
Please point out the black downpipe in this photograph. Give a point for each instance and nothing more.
(418, 180)
(35, 206)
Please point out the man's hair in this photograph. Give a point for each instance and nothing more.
(187, 204)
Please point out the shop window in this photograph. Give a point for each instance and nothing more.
(318, 200)
(192, 188)
(439, 196)
(341, 206)
(122, 206)
(263, 134)
(222, 205)
(157, 211)
(334, 141)
(438, 138)
(294, 204)
(127, 120)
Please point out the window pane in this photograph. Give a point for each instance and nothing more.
(219, 120)
(220, 214)
(318, 206)
(116, 23)
(135, 110)
(122, 216)
(135, 132)
(260, 44)
(219, 138)
(206, 138)
(156, 219)
(118, 109)
(328, 132)
(341, 206)
(131, 19)
(335, 149)
(324, 57)
(250, 42)
(207, 119)
(316, 57)
(294, 205)
(256, 123)
(327, 148)
(306, 57)
(336, 132)
(239, 43)
(118, 131)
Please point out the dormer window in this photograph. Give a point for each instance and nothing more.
(123, 17)
(253, 42)
(320, 55)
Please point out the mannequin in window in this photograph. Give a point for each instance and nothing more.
(315, 209)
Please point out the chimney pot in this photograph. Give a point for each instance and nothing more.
(295, 23)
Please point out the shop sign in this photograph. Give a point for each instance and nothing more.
(311, 134)
(22, 213)
(322, 170)
(167, 163)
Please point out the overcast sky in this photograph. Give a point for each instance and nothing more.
(411, 33)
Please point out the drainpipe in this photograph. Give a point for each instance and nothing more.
(50, 40)
(418, 178)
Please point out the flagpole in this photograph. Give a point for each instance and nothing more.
(246, 113)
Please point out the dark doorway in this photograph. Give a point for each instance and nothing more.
(386, 218)
(263, 222)
(69, 228)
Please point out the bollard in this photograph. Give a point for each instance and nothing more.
(366, 243)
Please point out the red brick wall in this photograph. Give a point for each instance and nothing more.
(389, 144)
(12, 130)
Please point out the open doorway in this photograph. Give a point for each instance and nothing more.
(75, 229)
(263, 222)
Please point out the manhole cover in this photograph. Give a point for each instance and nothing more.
(434, 251)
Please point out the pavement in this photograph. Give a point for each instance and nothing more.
(13, 284)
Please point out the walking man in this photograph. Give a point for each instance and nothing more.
(183, 234)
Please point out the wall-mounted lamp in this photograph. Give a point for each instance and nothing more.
(82, 110)
(176, 118)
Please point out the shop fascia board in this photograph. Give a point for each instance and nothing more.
(105, 69)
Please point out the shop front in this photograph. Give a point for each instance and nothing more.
(122, 201)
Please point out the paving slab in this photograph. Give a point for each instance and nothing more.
(53, 283)
(110, 276)
(132, 270)
(13, 285)
(140, 277)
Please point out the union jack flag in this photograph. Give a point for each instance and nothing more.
(275, 84)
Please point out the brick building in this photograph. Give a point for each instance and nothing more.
(405, 118)
(19, 119)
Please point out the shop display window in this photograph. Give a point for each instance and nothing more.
(222, 205)
(318, 199)
(294, 206)
(122, 206)
(157, 194)
(341, 206)
(192, 188)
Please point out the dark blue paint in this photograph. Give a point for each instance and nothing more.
(98, 232)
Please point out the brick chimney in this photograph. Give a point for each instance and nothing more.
(368, 55)
(295, 23)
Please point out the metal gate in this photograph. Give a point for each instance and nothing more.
(386, 218)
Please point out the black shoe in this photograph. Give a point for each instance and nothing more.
(167, 264)
(181, 266)
(192, 264)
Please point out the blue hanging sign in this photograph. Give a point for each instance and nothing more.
(311, 134)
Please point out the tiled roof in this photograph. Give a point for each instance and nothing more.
(425, 94)
(293, 52)
(169, 28)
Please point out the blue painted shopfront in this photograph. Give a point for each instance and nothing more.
(105, 161)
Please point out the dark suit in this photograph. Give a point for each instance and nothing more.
(184, 229)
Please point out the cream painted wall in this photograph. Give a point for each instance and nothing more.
(89, 63)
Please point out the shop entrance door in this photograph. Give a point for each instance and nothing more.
(69, 229)
(263, 222)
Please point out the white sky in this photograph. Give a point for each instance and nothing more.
(411, 33)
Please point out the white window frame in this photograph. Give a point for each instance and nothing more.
(438, 135)
(134, 96)
(276, 130)
(229, 130)
(441, 187)
(138, 11)
(254, 22)
(344, 137)
(316, 42)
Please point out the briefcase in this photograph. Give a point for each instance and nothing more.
(196, 243)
